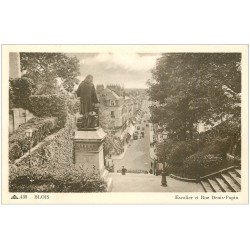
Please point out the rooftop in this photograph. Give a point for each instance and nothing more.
(111, 95)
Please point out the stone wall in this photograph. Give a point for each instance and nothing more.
(17, 117)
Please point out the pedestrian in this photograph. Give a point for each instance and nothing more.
(124, 170)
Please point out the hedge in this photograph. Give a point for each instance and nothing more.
(41, 127)
(64, 178)
(50, 105)
(201, 164)
(52, 168)
(198, 165)
(180, 151)
(190, 159)
(73, 105)
(174, 152)
(19, 92)
(54, 149)
(218, 146)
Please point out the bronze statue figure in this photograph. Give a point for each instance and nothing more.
(88, 107)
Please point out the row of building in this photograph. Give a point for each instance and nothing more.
(118, 111)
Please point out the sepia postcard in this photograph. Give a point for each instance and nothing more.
(124, 124)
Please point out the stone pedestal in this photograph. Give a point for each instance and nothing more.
(88, 150)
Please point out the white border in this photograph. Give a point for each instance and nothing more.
(124, 198)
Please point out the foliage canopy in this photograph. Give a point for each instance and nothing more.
(45, 69)
(188, 88)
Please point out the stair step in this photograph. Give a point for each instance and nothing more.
(238, 171)
(224, 187)
(214, 185)
(230, 182)
(206, 186)
(235, 177)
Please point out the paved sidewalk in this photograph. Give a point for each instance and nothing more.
(136, 156)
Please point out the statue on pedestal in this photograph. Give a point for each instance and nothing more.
(89, 108)
(89, 137)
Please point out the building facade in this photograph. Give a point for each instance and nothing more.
(116, 112)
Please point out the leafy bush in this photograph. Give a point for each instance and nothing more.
(228, 128)
(191, 159)
(218, 146)
(19, 92)
(76, 107)
(174, 152)
(47, 86)
(50, 105)
(63, 178)
(52, 168)
(200, 164)
(41, 127)
(73, 105)
(180, 151)
(15, 151)
(54, 149)
(69, 84)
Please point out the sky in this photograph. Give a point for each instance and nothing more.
(131, 69)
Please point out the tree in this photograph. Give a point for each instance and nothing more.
(20, 90)
(188, 88)
(45, 69)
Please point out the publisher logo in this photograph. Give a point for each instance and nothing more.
(14, 197)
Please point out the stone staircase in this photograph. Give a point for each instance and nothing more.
(227, 181)
(141, 182)
(107, 179)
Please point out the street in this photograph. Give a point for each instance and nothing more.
(137, 156)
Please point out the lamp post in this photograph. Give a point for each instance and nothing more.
(154, 166)
(164, 173)
(28, 134)
(199, 130)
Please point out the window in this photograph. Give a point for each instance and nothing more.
(112, 103)
(112, 114)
